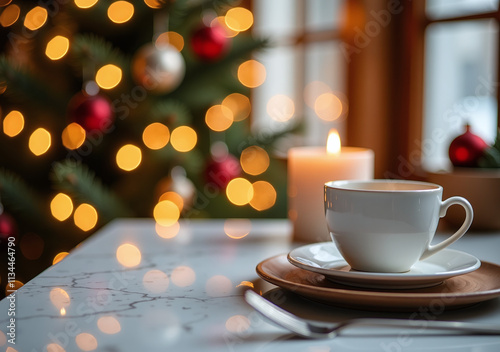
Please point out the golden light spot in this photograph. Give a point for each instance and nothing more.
(173, 197)
(86, 341)
(128, 255)
(59, 256)
(128, 157)
(239, 105)
(13, 286)
(10, 15)
(246, 284)
(167, 231)
(35, 18)
(171, 38)
(85, 217)
(333, 143)
(166, 213)
(108, 76)
(109, 325)
(40, 141)
(73, 136)
(239, 19)
(154, 4)
(54, 347)
(62, 311)
(120, 11)
(254, 160)
(237, 324)
(313, 90)
(239, 191)
(237, 228)
(2, 4)
(183, 276)
(57, 47)
(219, 118)
(221, 21)
(10, 349)
(328, 107)
(251, 73)
(85, 4)
(13, 123)
(280, 107)
(59, 298)
(155, 281)
(264, 196)
(31, 246)
(183, 138)
(156, 136)
(218, 286)
(61, 206)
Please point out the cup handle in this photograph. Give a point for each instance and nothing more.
(461, 231)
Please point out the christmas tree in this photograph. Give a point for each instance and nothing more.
(121, 109)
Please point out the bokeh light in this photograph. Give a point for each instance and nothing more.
(239, 19)
(59, 298)
(280, 107)
(239, 104)
(328, 107)
(154, 4)
(40, 141)
(237, 324)
(156, 136)
(128, 255)
(31, 246)
(128, 157)
(183, 138)
(4, 2)
(61, 206)
(86, 341)
(13, 286)
(120, 11)
(57, 47)
(109, 325)
(35, 18)
(13, 123)
(85, 217)
(85, 4)
(108, 76)
(237, 228)
(54, 347)
(58, 257)
(171, 38)
(313, 90)
(73, 136)
(251, 73)
(167, 231)
(155, 281)
(10, 15)
(221, 21)
(166, 213)
(173, 197)
(264, 195)
(239, 191)
(219, 286)
(254, 160)
(183, 276)
(219, 118)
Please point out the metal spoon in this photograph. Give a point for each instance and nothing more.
(319, 330)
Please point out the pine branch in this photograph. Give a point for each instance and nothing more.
(93, 51)
(171, 112)
(181, 10)
(78, 181)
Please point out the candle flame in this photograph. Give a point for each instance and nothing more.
(333, 144)
(63, 311)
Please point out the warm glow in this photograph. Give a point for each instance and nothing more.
(108, 76)
(13, 123)
(63, 311)
(120, 11)
(61, 206)
(35, 18)
(251, 73)
(328, 107)
(59, 256)
(219, 118)
(219, 286)
(109, 325)
(246, 284)
(239, 191)
(239, 19)
(128, 255)
(10, 349)
(313, 90)
(183, 138)
(237, 324)
(166, 213)
(254, 160)
(172, 38)
(85, 217)
(13, 286)
(280, 108)
(85, 4)
(333, 144)
(264, 196)
(154, 4)
(155, 281)
(221, 21)
(129, 157)
(59, 298)
(54, 347)
(174, 198)
(237, 228)
(167, 231)
(40, 141)
(10, 15)
(239, 105)
(156, 136)
(73, 136)
(2, 4)
(183, 276)
(57, 47)
(86, 341)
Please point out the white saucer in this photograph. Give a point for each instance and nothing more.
(325, 258)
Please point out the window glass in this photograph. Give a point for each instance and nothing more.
(276, 18)
(323, 14)
(453, 8)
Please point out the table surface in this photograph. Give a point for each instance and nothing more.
(185, 294)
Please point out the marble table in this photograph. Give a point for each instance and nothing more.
(128, 289)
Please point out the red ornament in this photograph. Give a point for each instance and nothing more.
(219, 171)
(8, 227)
(210, 43)
(466, 149)
(92, 112)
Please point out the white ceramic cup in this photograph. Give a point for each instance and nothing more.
(388, 225)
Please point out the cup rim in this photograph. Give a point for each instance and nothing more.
(343, 185)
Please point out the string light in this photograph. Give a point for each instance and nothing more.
(251, 73)
(73, 136)
(128, 157)
(39, 141)
(183, 138)
(35, 18)
(171, 38)
(58, 257)
(239, 19)
(85, 4)
(166, 213)
(61, 206)
(219, 118)
(57, 47)
(108, 76)
(85, 217)
(10, 15)
(156, 136)
(254, 160)
(13, 123)
(239, 105)
(239, 191)
(120, 11)
(264, 196)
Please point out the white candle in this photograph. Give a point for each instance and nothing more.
(309, 168)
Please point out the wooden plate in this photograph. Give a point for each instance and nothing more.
(477, 286)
